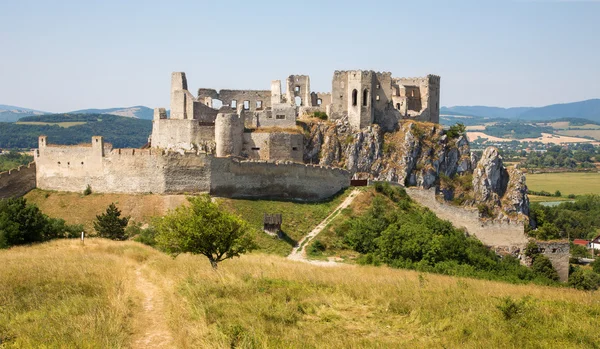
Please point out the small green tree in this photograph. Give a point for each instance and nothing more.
(584, 279)
(109, 224)
(203, 228)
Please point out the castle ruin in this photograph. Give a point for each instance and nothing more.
(240, 143)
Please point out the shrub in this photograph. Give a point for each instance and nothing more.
(543, 266)
(584, 279)
(320, 115)
(557, 193)
(109, 225)
(456, 130)
(88, 190)
(316, 248)
(596, 266)
(510, 308)
(485, 211)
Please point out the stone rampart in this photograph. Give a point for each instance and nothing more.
(559, 253)
(17, 182)
(156, 171)
(491, 234)
(287, 180)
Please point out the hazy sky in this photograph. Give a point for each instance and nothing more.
(65, 55)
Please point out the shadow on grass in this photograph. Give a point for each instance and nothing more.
(286, 238)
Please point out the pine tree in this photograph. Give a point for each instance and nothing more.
(109, 225)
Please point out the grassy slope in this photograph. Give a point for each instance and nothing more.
(75, 208)
(63, 294)
(298, 218)
(567, 183)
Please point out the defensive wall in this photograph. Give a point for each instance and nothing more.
(107, 170)
(17, 182)
(504, 237)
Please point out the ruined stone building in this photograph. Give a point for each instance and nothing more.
(239, 143)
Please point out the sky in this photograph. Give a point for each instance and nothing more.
(60, 56)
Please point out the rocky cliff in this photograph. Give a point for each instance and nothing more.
(423, 155)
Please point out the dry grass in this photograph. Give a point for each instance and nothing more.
(76, 208)
(582, 133)
(61, 294)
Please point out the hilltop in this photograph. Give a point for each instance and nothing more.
(10, 113)
(588, 109)
(117, 294)
(69, 129)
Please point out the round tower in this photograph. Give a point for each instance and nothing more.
(229, 129)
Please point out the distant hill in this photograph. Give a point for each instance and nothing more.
(138, 111)
(488, 112)
(588, 109)
(122, 132)
(10, 113)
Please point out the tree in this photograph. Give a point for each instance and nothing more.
(203, 228)
(543, 266)
(109, 225)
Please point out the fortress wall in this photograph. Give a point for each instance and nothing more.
(276, 146)
(172, 133)
(119, 171)
(339, 96)
(226, 96)
(187, 173)
(257, 179)
(17, 182)
(559, 253)
(491, 234)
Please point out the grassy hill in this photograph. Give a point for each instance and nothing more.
(10, 113)
(122, 132)
(138, 111)
(120, 294)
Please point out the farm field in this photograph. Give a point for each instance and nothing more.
(581, 133)
(108, 294)
(66, 124)
(566, 182)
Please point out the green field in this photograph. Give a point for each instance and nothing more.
(61, 124)
(567, 183)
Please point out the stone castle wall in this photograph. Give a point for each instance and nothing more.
(17, 182)
(106, 170)
(491, 234)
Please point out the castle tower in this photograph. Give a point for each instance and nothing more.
(98, 146)
(275, 92)
(229, 129)
(298, 86)
(179, 98)
(360, 103)
(433, 98)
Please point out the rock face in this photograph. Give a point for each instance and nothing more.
(418, 154)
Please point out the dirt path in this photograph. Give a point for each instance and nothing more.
(153, 331)
(299, 252)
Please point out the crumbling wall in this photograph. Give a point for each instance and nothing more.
(249, 96)
(490, 233)
(181, 134)
(17, 182)
(275, 146)
(298, 86)
(287, 180)
(559, 253)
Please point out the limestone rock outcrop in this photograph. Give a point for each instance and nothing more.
(418, 154)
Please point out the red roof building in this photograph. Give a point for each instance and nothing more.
(581, 242)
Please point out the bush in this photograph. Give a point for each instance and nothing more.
(23, 223)
(109, 225)
(510, 308)
(485, 211)
(596, 266)
(456, 130)
(316, 248)
(320, 115)
(584, 279)
(88, 190)
(543, 266)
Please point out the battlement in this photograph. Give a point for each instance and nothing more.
(18, 169)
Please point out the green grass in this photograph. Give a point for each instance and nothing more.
(61, 124)
(299, 218)
(538, 198)
(566, 182)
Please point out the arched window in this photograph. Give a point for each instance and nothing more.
(398, 106)
(365, 96)
(354, 97)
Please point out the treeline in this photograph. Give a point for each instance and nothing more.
(517, 130)
(582, 156)
(401, 234)
(574, 220)
(13, 159)
(122, 132)
(22, 223)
